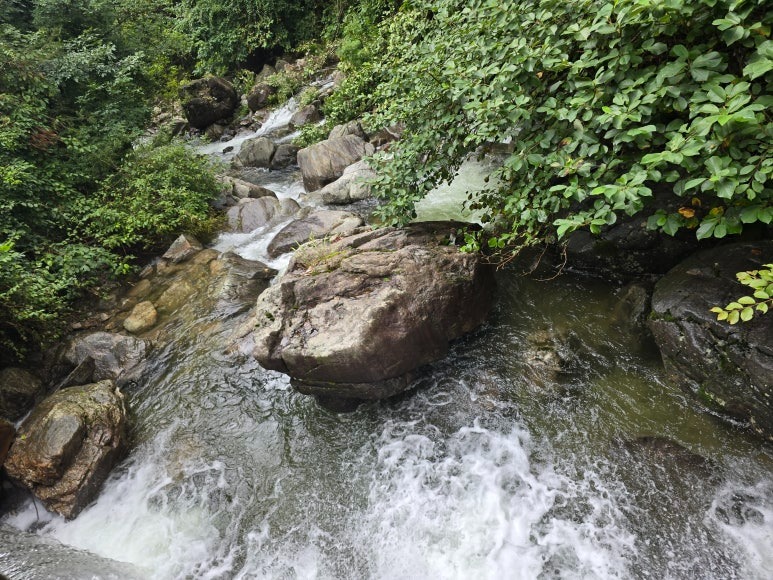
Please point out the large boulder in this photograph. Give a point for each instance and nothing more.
(257, 152)
(116, 356)
(252, 214)
(208, 100)
(66, 448)
(19, 390)
(351, 319)
(729, 367)
(241, 189)
(350, 128)
(259, 96)
(350, 187)
(312, 224)
(324, 162)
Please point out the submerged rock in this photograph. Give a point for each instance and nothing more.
(143, 317)
(66, 448)
(324, 162)
(729, 367)
(208, 100)
(352, 319)
(19, 390)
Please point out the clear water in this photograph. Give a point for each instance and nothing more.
(511, 458)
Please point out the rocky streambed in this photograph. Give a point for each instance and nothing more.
(535, 435)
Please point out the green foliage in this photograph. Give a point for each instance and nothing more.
(746, 307)
(157, 194)
(312, 133)
(605, 103)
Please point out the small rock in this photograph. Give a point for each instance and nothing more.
(143, 317)
(66, 448)
(19, 390)
(285, 156)
(183, 248)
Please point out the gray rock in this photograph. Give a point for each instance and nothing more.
(143, 317)
(265, 72)
(728, 367)
(252, 214)
(259, 96)
(19, 390)
(182, 249)
(354, 318)
(386, 135)
(256, 152)
(208, 100)
(315, 224)
(350, 187)
(116, 357)
(305, 116)
(350, 128)
(242, 281)
(215, 132)
(324, 162)
(285, 156)
(66, 448)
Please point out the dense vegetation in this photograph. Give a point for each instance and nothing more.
(606, 105)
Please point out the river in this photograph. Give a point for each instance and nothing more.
(580, 465)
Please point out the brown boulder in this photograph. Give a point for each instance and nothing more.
(208, 100)
(66, 448)
(353, 318)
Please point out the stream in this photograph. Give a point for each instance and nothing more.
(585, 464)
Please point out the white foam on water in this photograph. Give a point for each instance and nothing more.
(152, 517)
(254, 245)
(277, 119)
(476, 506)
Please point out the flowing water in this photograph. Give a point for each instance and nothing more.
(545, 445)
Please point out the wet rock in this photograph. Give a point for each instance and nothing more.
(285, 156)
(255, 213)
(663, 451)
(350, 128)
(324, 162)
(315, 224)
(19, 390)
(66, 448)
(242, 282)
(350, 187)
(259, 96)
(628, 249)
(305, 116)
(182, 249)
(256, 152)
(116, 357)
(728, 367)
(736, 509)
(208, 100)
(143, 317)
(544, 358)
(80, 375)
(7, 434)
(354, 318)
(633, 304)
(245, 190)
